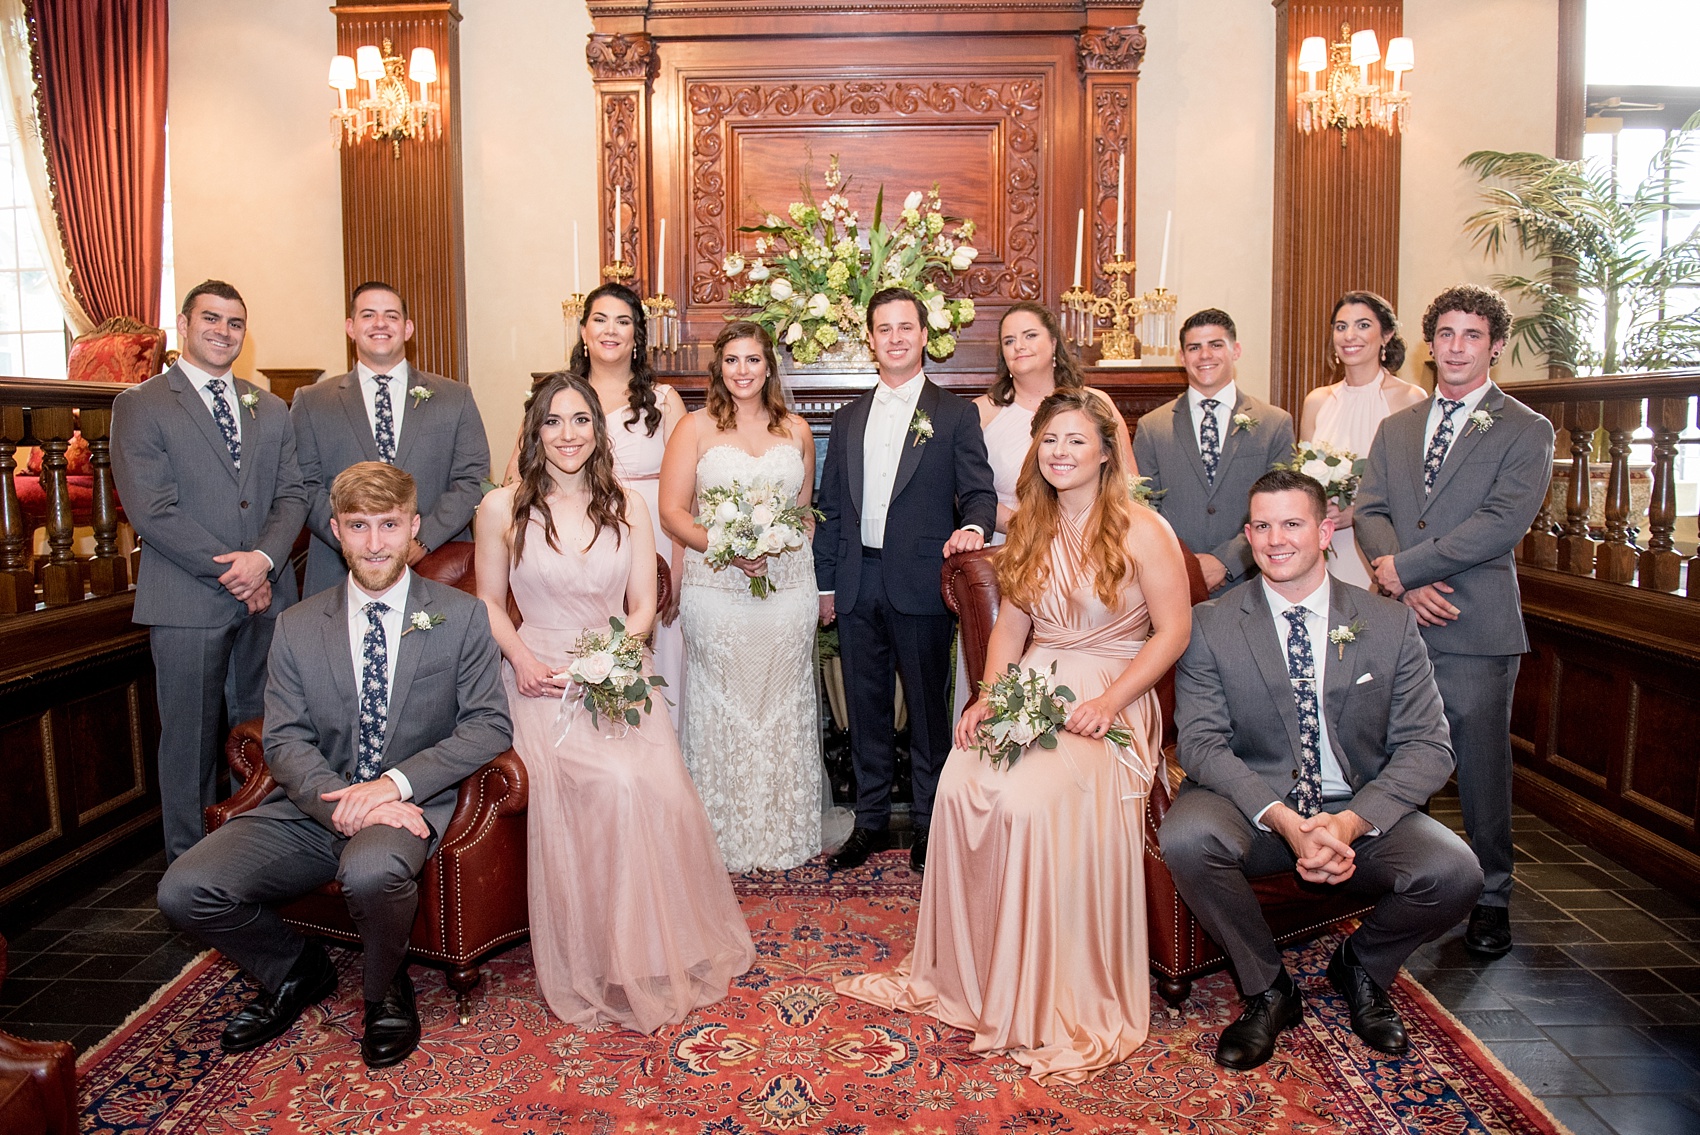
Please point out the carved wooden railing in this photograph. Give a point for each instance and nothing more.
(45, 413)
(1621, 404)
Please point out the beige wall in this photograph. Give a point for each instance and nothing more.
(254, 177)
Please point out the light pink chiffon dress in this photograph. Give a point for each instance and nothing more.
(637, 465)
(1008, 436)
(633, 919)
(1032, 930)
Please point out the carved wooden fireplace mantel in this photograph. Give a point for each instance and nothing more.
(709, 114)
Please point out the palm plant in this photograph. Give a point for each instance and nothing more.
(1600, 299)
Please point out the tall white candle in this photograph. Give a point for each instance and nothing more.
(616, 224)
(661, 260)
(1121, 202)
(578, 288)
(1079, 245)
(1163, 272)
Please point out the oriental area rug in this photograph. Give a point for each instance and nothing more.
(783, 1053)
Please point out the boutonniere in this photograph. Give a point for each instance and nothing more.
(251, 400)
(422, 621)
(419, 394)
(921, 426)
(1481, 421)
(1341, 635)
(1243, 422)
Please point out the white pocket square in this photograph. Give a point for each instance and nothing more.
(1363, 679)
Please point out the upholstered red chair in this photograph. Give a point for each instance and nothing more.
(1180, 949)
(38, 1081)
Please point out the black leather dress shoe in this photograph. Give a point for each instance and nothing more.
(392, 1025)
(862, 843)
(918, 854)
(268, 1016)
(1490, 932)
(1250, 1041)
(1374, 1018)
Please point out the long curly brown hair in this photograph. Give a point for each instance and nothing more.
(640, 388)
(607, 508)
(1065, 369)
(721, 406)
(1024, 563)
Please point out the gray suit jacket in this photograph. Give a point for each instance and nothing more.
(1464, 532)
(448, 711)
(1211, 518)
(442, 444)
(1239, 727)
(189, 503)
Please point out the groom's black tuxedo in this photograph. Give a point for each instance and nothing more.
(892, 617)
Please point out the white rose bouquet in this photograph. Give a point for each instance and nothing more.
(1337, 470)
(751, 522)
(606, 675)
(1027, 709)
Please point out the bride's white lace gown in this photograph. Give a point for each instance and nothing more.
(751, 735)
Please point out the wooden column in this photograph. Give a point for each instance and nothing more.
(1109, 63)
(1661, 564)
(61, 577)
(1575, 549)
(623, 65)
(401, 204)
(109, 572)
(17, 581)
(1336, 205)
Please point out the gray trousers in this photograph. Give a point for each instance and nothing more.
(1423, 879)
(223, 889)
(197, 670)
(1476, 691)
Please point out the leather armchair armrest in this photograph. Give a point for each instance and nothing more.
(51, 1066)
(499, 788)
(245, 753)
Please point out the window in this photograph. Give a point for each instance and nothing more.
(33, 338)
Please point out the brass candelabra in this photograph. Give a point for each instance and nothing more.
(1139, 326)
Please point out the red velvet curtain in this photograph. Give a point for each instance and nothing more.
(100, 74)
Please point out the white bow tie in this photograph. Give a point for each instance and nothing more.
(884, 393)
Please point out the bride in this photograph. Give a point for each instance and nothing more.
(751, 735)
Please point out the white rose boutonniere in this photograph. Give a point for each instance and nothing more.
(419, 394)
(1343, 634)
(252, 401)
(922, 427)
(1481, 421)
(422, 621)
(1243, 422)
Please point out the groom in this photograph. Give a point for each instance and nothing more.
(906, 483)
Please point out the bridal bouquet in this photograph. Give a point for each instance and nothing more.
(750, 522)
(816, 268)
(1027, 709)
(1337, 470)
(607, 673)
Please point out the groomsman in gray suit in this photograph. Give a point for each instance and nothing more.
(385, 693)
(205, 465)
(1202, 452)
(1311, 732)
(385, 410)
(1451, 487)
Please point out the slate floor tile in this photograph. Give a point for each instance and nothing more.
(1604, 1040)
(1493, 1025)
(1640, 1074)
(1545, 877)
(1670, 1010)
(1646, 1115)
(1574, 1113)
(1613, 954)
(1546, 1068)
(1580, 900)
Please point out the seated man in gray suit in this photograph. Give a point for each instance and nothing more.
(385, 410)
(205, 465)
(367, 769)
(1202, 451)
(1311, 732)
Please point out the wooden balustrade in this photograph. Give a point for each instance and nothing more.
(47, 414)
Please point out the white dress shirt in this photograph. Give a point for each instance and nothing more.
(396, 599)
(199, 379)
(398, 395)
(1334, 784)
(882, 448)
(1224, 413)
(1460, 418)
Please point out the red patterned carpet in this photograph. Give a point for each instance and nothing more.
(784, 1053)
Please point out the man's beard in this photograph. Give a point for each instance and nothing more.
(373, 579)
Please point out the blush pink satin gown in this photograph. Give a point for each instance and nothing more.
(1032, 929)
(633, 919)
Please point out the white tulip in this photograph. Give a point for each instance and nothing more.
(781, 289)
(733, 264)
(963, 257)
(913, 201)
(794, 333)
(818, 305)
(758, 272)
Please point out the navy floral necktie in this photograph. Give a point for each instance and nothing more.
(1301, 668)
(1440, 443)
(1209, 438)
(226, 422)
(383, 428)
(374, 693)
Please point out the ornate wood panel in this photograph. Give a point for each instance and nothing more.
(401, 206)
(1336, 207)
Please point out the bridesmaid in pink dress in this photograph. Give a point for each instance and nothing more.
(1032, 931)
(1346, 415)
(633, 919)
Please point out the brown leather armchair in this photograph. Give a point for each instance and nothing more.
(1180, 949)
(38, 1081)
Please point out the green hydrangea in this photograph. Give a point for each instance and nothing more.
(941, 346)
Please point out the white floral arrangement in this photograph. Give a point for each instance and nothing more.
(1338, 471)
(1027, 709)
(815, 270)
(751, 522)
(606, 676)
